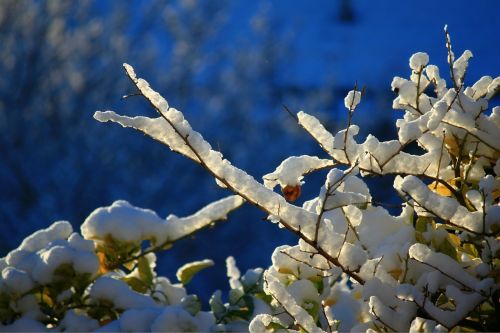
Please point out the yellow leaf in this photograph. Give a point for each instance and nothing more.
(452, 145)
(186, 272)
(441, 189)
(395, 273)
(103, 263)
(285, 270)
(329, 302)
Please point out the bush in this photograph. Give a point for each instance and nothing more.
(356, 267)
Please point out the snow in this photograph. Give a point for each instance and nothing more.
(460, 66)
(376, 269)
(446, 265)
(260, 323)
(74, 322)
(24, 324)
(302, 291)
(156, 128)
(168, 293)
(176, 319)
(233, 273)
(418, 61)
(17, 280)
(300, 316)
(119, 294)
(352, 257)
(292, 170)
(138, 320)
(446, 208)
(313, 126)
(215, 211)
(352, 99)
(126, 223)
(41, 238)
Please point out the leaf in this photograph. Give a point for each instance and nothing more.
(291, 193)
(312, 308)
(192, 304)
(103, 263)
(470, 249)
(136, 284)
(440, 189)
(188, 271)
(216, 304)
(422, 222)
(64, 271)
(396, 273)
(449, 249)
(145, 271)
(235, 296)
(452, 144)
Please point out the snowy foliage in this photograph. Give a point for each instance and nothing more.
(434, 266)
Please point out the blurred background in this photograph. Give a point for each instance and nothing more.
(230, 66)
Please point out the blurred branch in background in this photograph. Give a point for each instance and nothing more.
(58, 64)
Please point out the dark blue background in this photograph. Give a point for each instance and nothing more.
(230, 66)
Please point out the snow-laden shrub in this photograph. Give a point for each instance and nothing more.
(356, 267)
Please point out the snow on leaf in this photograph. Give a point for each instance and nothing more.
(292, 170)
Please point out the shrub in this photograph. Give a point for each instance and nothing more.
(356, 267)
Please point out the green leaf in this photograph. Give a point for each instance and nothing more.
(449, 249)
(312, 308)
(235, 296)
(422, 222)
(275, 326)
(250, 306)
(192, 304)
(64, 271)
(145, 271)
(186, 272)
(136, 284)
(216, 305)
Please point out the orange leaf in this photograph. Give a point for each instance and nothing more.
(291, 193)
(440, 189)
(103, 263)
